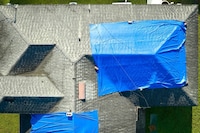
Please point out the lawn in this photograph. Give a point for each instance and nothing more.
(78, 1)
(91, 1)
(9, 123)
(170, 120)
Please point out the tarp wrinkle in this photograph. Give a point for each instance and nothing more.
(60, 123)
(145, 54)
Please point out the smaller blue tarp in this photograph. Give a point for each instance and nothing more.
(86, 122)
(140, 55)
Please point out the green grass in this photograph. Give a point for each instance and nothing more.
(3, 2)
(91, 1)
(185, 1)
(78, 1)
(171, 119)
(87, 1)
(9, 123)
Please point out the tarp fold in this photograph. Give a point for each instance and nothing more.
(86, 122)
(146, 54)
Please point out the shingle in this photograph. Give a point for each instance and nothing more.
(27, 105)
(27, 94)
(31, 58)
(33, 86)
(12, 47)
(70, 61)
(63, 25)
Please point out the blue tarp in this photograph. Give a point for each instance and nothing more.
(140, 55)
(86, 122)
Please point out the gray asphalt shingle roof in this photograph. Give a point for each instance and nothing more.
(70, 62)
(28, 86)
(63, 25)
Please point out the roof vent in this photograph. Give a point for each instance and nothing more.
(130, 22)
(69, 114)
(8, 4)
(165, 2)
(72, 3)
(15, 6)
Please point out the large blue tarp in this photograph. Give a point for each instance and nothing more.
(86, 122)
(139, 55)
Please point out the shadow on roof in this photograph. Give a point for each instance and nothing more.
(31, 58)
(27, 105)
(160, 97)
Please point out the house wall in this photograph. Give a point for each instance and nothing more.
(25, 123)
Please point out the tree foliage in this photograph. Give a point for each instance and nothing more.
(3, 2)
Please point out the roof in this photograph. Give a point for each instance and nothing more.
(66, 60)
(25, 86)
(67, 27)
(18, 92)
(43, 24)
